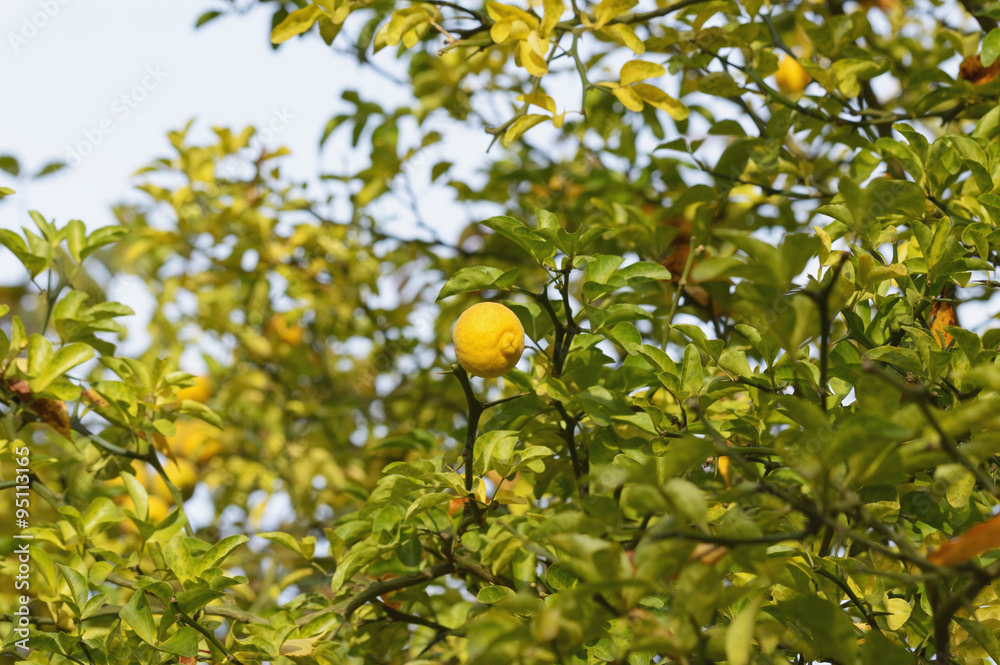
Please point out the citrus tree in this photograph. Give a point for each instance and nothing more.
(728, 414)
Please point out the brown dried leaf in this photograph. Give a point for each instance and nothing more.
(982, 537)
(707, 553)
(972, 70)
(51, 411)
(54, 413)
(91, 396)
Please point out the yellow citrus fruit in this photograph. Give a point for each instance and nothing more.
(489, 340)
(289, 334)
(791, 77)
(195, 440)
(201, 391)
(182, 473)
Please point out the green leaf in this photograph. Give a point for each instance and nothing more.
(991, 48)
(522, 235)
(182, 643)
(296, 23)
(687, 499)
(495, 448)
(34, 261)
(820, 624)
(626, 335)
(692, 374)
(76, 238)
(492, 594)
(427, 501)
(739, 635)
(479, 278)
(99, 511)
(6, 191)
(139, 617)
(643, 271)
(64, 360)
(9, 164)
(50, 168)
(878, 650)
(192, 600)
(77, 584)
(986, 638)
(221, 551)
(198, 410)
(206, 17)
(94, 603)
(101, 237)
(283, 539)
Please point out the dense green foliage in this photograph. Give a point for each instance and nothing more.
(745, 425)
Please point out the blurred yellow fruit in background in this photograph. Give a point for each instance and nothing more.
(183, 473)
(290, 334)
(201, 391)
(791, 77)
(195, 440)
(157, 510)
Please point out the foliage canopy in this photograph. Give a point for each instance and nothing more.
(748, 427)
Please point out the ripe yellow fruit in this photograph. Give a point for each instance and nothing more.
(291, 335)
(489, 340)
(182, 473)
(791, 77)
(201, 391)
(195, 440)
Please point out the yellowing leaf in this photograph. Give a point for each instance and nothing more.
(981, 538)
(298, 648)
(942, 316)
(639, 70)
(624, 35)
(628, 98)
(553, 11)
(610, 9)
(661, 100)
(739, 634)
(521, 125)
(508, 497)
(402, 27)
(531, 59)
(295, 23)
(899, 612)
(539, 99)
(871, 274)
(723, 466)
(501, 31)
(509, 22)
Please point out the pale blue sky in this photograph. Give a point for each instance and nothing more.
(113, 77)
